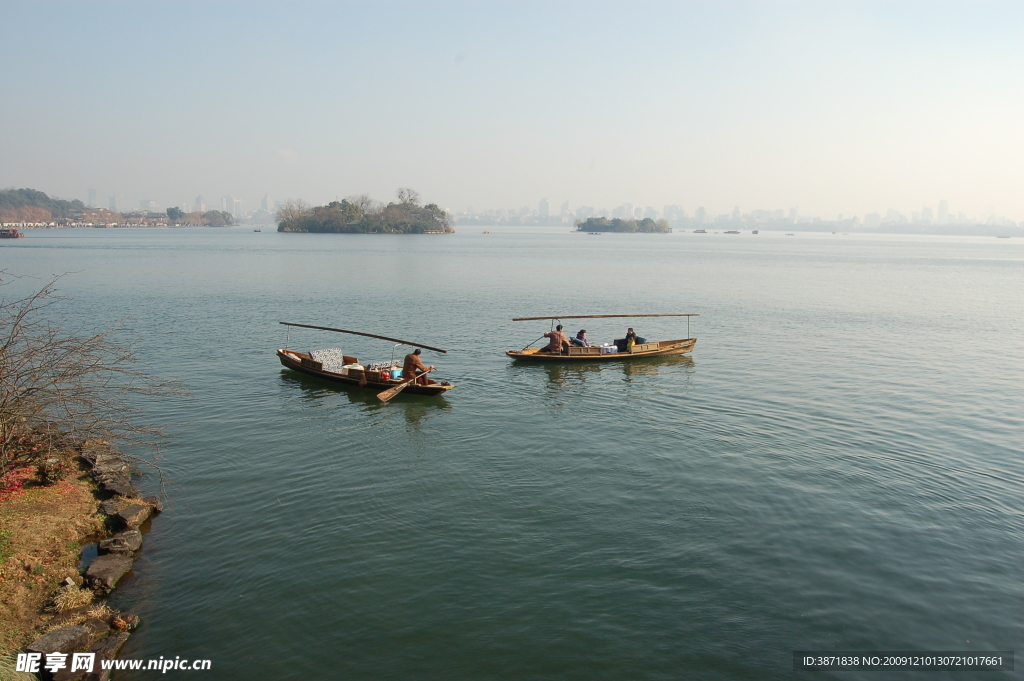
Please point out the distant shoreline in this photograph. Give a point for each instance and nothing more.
(814, 228)
(985, 231)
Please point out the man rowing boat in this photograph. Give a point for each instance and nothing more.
(413, 368)
(557, 340)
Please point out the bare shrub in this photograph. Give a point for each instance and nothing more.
(59, 387)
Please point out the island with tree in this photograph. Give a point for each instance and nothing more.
(363, 215)
(618, 225)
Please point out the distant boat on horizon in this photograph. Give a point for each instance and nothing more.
(754, 232)
(733, 231)
(700, 231)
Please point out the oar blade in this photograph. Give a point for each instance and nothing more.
(386, 395)
(391, 392)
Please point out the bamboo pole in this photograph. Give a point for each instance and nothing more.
(368, 335)
(603, 316)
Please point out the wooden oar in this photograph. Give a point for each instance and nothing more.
(391, 392)
(531, 343)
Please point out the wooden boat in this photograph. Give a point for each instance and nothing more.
(372, 376)
(597, 353)
(10, 234)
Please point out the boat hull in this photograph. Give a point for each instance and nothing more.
(663, 349)
(293, 360)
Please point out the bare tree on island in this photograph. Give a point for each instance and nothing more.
(408, 196)
(291, 210)
(60, 387)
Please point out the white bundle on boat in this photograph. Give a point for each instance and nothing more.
(332, 359)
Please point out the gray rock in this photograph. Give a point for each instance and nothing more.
(112, 506)
(110, 464)
(67, 675)
(93, 450)
(154, 501)
(116, 483)
(126, 542)
(96, 626)
(105, 570)
(106, 648)
(63, 640)
(135, 515)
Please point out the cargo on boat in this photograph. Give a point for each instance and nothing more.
(619, 350)
(332, 365)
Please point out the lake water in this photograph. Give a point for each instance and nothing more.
(837, 466)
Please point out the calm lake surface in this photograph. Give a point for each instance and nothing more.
(838, 465)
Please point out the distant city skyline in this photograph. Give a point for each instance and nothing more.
(938, 213)
(847, 108)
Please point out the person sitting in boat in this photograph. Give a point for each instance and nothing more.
(413, 368)
(557, 340)
(581, 339)
(631, 339)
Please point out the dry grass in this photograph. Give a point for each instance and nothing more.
(7, 670)
(41, 532)
(102, 611)
(72, 597)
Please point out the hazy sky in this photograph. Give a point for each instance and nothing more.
(831, 107)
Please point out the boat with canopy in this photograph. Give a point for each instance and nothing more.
(335, 366)
(616, 351)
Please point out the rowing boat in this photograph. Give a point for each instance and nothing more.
(619, 352)
(346, 370)
(302, 362)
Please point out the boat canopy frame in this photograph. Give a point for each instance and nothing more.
(608, 316)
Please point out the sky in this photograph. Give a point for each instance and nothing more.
(827, 106)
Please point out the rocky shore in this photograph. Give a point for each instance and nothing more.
(83, 623)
